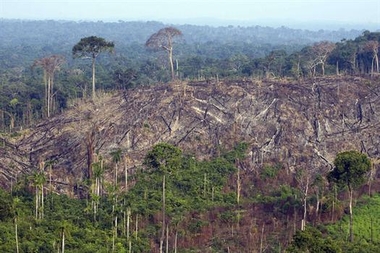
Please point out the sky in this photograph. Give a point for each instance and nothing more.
(286, 11)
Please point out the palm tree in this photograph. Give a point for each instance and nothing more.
(39, 179)
(91, 47)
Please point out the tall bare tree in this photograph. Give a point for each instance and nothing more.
(50, 65)
(91, 47)
(321, 51)
(373, 47)
(163, 40)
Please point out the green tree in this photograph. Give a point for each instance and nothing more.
(163, 40)
(344, 56)
(349, 171)
(91, 47)
(312, 241)
(166, 159)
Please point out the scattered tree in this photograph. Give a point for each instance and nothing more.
(163, 40)
(166, 159)
(319, 54)
(39, 180)
(372, 46)
(311, 240)
(350, 169)
(91, 47)
(50, 65)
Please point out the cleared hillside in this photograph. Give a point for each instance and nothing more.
(298, 124)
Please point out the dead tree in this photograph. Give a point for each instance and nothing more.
(373, 47)
(318, 54)
(163, 40)
(50, 65)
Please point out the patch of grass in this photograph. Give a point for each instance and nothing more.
(366, 221)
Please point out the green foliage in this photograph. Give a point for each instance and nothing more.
(91, 47)
(350, 168)
(164, 158)
(312, 241)
(190, 184)
(270, 171)
(366, 220)
(5, 206)
(228, 56)
(237, 153)
(196, 225)
(334, 237)
(229, 217)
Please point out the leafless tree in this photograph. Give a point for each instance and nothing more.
(373, 47)
(163, 40)
(50, 65)
(305, 179)
(320, 52)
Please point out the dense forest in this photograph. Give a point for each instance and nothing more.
(81, 189)
(202, 52)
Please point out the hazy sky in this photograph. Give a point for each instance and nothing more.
(339, 11)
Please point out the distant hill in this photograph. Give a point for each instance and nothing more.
(51, 32)
(293, 24)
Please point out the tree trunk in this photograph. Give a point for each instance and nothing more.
(48, 95)
(113, 236)
(137, 226)
(305, 194)
(42, 202)
(128, 221)
(238, 188)
(323, 69)
(167, 239)
(262, 239)
(126, 176)
(337, 68)
(351, 214)
(317, 206)
(163, 215)
(303, 222)
(93, 77)
(16, 235)
(37, 202)
(170, 52)
(63, 241)
(175, 241)
(333, 204)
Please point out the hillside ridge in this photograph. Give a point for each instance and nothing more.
(298, 124)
